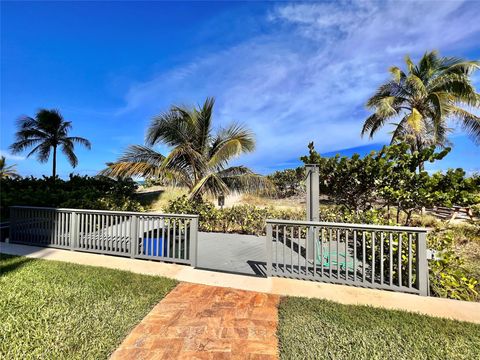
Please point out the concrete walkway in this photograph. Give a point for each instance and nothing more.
(233, 253)
(206, 322)
(453, 309)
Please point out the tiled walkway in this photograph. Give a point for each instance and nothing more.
(206, 322)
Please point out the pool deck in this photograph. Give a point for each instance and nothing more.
(447, 308)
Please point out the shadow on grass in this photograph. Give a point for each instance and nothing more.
(9, 263)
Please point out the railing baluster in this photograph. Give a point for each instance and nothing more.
(364, 256)
(106, 234)
(141, 235)
(299, 240)
(56, 228)
(330, 252)
(382, 234)
(157, 233)
(338, 258)
(185, 239)
(276, 267)
(116, 221)
(354, 255)
(94, 232)
(89, 232)
(164, 243)
(292, 245)
(400, 259)
(307, 240)
(169, 246)
(315, 245)
(373, 257)
(65, 228)
(321, 251)
(125, 233)
(284, 244)
(390, 261)
(174, 238)
(346, 254)
(410, 260)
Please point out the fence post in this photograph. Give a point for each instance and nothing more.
(73, 230)
(313, 201)
(194, 241)
(133, 235)
(269, 239)
(421, 263)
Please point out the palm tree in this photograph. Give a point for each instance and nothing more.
(7, 171)
(199, 157)
(424, 99)
(47, 131)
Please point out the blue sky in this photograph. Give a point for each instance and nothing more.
(292, 72)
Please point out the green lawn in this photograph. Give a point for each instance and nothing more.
(319, 329)
(56, 310)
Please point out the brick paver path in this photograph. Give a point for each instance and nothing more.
(206, 322)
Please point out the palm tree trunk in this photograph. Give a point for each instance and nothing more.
(54, 163)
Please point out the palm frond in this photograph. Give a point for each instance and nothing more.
(414, 121)
(230, 142)
(469, 122)
(372, 124)
(204, 124)
(241, 178)
(68, 150)
(80, 140)
(7, 171)
(172, 128)
(210, 184)
(43, 152)
(21, 145)
(397, 74)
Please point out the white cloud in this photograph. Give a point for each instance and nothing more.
(309, 76)
(10, 156)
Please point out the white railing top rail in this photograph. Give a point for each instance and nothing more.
(186, 216)
(348, 225)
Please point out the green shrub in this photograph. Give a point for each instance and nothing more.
(81, 192)
(476, 210)
(448, 278)
(244, 219)
(288, 182)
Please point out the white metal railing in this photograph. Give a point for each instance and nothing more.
(384, 257)
(166, 237)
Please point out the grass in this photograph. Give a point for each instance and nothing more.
(56, 310)
(294, 203)
(156, 198)
(320, 329)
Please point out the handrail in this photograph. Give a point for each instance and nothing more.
(347, 225)
(141, 235)
(375, 256)
(186, 216)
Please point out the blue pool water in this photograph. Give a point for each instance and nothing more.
(154, 247)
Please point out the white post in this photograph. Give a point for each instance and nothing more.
(269, 239)
(313, 202)
(73, 230)
(193, 241)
